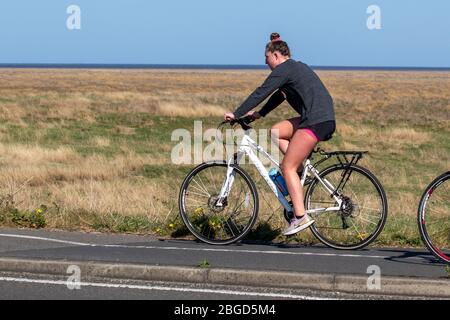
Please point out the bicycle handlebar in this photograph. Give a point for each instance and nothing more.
(243, 122)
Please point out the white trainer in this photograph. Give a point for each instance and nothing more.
(297, 225)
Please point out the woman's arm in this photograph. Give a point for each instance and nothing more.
(275, 80)
(274, 101)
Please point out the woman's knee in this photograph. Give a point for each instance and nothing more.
(287, 167)
(282, 130)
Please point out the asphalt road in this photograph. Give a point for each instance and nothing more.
(57, 245)
(15, 286)
(45, 245)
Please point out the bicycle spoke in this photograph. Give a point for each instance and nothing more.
(437, 198)
(197, 189)
(237, 207)
(196, 206)
(368, 216)
(195, 200)
(199, 194)
(360, 216)
(208, 222)
(203, 228)
(356, 228)
(230, 228)
(241, 203)
(325, 202)
(203, 190)
(329, 228)
(367, 208)
(369, 221)
(212, 179)
(203, 184)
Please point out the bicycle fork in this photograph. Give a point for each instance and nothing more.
(229, 180)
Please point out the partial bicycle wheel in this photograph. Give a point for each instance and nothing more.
(434, 217)
(218, 224)
(363, 212)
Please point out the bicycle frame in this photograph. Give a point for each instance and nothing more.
(249, 147)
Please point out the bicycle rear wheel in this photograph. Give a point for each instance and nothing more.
(362, 214)
(207, 221)
(434, 217)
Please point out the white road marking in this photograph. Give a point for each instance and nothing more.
(162, 288)
(19, 236)
(192, 249)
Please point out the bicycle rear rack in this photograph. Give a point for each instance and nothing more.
(342, 156)
(345, 158)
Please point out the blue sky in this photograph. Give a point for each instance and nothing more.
(321, 32)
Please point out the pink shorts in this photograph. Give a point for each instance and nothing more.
(311, 133)
(322, 131)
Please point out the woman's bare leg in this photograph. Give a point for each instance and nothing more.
(283, 131)
(300, 146)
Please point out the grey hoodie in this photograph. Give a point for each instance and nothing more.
(300, 86)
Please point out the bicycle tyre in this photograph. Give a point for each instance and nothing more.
(226, 226)
(423, 217)
(320, 228)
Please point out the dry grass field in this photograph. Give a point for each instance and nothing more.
(90, 149)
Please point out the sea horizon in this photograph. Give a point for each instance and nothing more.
(203, 66)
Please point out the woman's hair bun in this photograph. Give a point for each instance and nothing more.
(276, 44)
(274, 36)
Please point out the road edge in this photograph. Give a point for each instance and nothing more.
(396, 286)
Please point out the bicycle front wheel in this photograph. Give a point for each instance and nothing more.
(198, 204)
(360, 217)
(434, 217)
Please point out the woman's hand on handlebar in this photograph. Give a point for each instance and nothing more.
(243, 122)
(254, 115)
(229, 116)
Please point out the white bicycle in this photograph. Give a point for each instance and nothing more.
(219, 203)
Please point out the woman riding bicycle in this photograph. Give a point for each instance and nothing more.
(296, 137)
